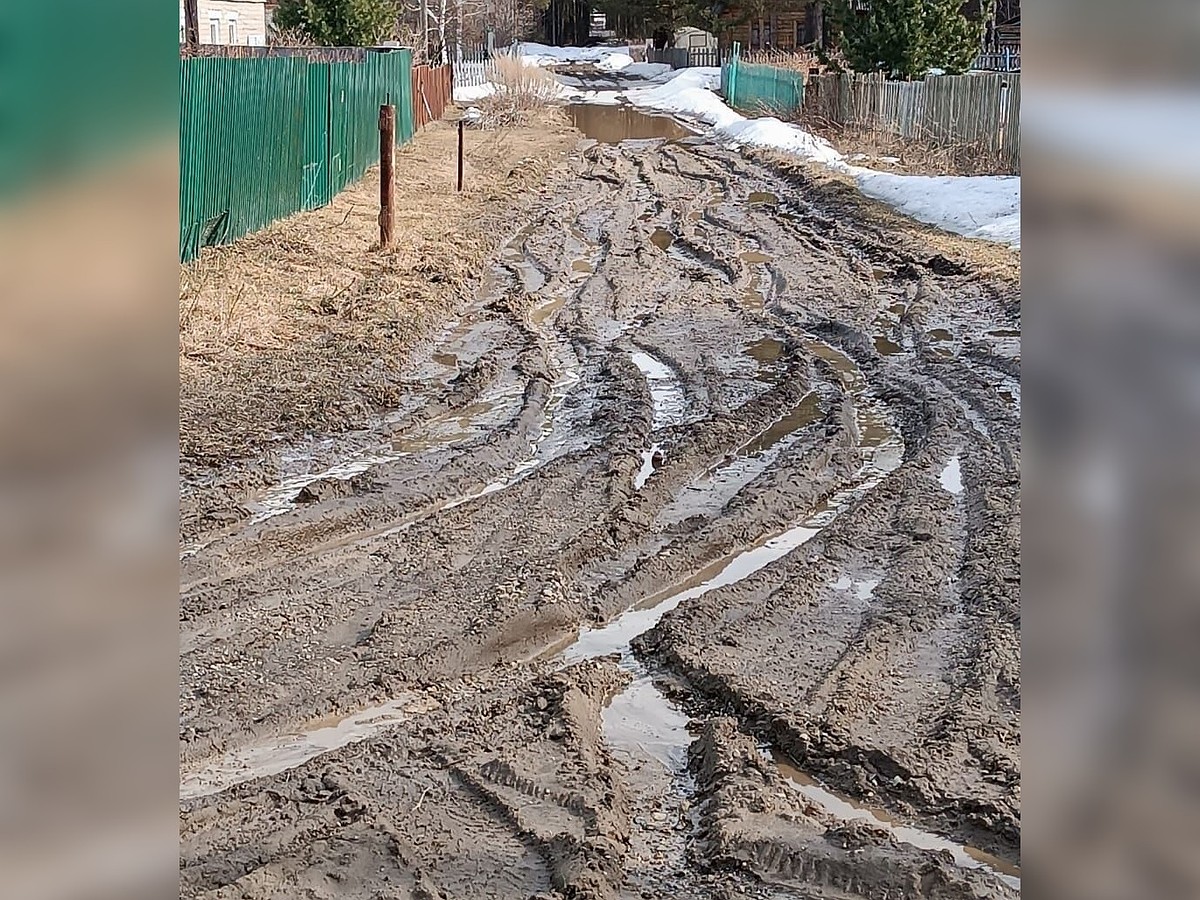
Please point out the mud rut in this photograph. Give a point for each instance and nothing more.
(715, 485)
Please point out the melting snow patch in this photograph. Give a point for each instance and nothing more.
(615, 62)
(978, 206)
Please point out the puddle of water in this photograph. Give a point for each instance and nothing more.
(651, 460)
(1004, 333)
(665, 391)
(449, 360)
(951, 477)
(754, 257)
(878, 274)
(863, 589)
(583, 266)
(616, 635)
(765, 198)
(640, 719)
(898, 309)
(886, 346)
(662, 239)
(847, 810)
(291, 750)
(613, 124)
(766, 351)
(542, 314)
(807, 411)
(940, 334)
(847, 371)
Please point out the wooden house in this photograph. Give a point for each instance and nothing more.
(780, 25)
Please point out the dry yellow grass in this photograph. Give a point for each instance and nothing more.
(522, 93)
(302, 327)
(912, 156)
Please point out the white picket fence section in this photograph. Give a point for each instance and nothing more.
(477, 66)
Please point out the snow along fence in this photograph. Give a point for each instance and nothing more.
(981, 110)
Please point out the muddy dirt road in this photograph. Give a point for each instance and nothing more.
(690, 570)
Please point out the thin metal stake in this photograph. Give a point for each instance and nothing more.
(460, 155)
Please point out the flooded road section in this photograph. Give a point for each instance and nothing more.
(684, 568)
(614, 124)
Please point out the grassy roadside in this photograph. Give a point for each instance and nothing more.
(301, 328)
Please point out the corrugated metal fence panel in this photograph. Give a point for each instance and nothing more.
(431, 93)
(316, 190)
(241, 146)
(752, 87)
(263, 138)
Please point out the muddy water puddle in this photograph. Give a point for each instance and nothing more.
(767, 352)
(951, 476)
(666, 393)
(885, 346)
(762, 198)
(844, 809)
(662, 239)
(608, 124)
(290, 750)
(669, 405)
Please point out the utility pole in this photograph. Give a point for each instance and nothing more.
(191, 24)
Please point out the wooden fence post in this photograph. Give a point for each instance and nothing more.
(387, 176)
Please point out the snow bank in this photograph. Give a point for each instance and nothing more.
(649, 71)
(472, 93)
(986, 207)
(541, 55)
(776, 135)
(614, 62)
(688, 94)
(978, 206)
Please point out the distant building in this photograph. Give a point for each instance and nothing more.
(784, 25)
(695, 39)
(231, 22)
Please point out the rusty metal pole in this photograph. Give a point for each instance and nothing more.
(460, 155)
(387, 176)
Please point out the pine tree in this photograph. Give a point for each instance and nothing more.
(907, 38)
(339, 23)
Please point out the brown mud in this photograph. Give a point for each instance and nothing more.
(689, 568)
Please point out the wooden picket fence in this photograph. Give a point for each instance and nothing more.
(981, 110)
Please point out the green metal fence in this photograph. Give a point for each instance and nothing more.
(260, 139)
(751, 87)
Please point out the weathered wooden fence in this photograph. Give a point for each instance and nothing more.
(265, 136)
(981, 111)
